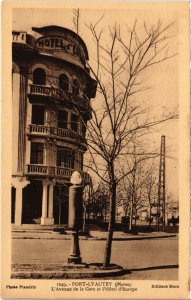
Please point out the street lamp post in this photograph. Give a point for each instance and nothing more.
(75, 216)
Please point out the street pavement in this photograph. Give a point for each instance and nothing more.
(155, 259)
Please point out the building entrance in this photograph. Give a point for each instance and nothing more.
(32, 203)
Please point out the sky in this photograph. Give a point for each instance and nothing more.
(163, 78)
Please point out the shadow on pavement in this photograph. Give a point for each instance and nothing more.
(154, 268)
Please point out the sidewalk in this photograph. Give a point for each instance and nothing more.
(146, 256)
(21, 233)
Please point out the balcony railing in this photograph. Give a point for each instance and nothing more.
(41, 170)
(55, 131)
(34, 128)
(79, 100)
(64, 172)
(55, 172)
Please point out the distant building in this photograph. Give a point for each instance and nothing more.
(172, 209)
(52, 88)
(143, 214)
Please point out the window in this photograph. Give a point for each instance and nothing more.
(39, 77)
(62, 119)
(63, 82)
(38, 114)
(65, 158)
(75, 87)
(83, 129)
(81, 160)
(74, 122)
(36, 153)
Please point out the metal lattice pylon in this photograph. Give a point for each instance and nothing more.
(161, 185)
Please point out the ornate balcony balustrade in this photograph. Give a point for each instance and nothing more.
(34, 128)
(57, 172)
(55, 132)
(45, 90)
(41, 170)
(80, 100)
(64, 172)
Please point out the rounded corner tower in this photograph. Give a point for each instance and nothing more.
(52, 88)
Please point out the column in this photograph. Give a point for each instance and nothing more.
(18, 205)
(22, 120)
(50, 204)
(19, 185)
(47, 204)
(45, 155)
(27, 155)
(46, 118)
(44, 201)
(28, 122)
(15, 121)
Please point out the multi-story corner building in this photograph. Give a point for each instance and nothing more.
(52, 88)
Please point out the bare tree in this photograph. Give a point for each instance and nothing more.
(151, 189)
(101, 198)
(133, 186)
(120, 117)
(87, 197)
(60, 199)
(98, 201)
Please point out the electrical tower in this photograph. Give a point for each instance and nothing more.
(161, 185)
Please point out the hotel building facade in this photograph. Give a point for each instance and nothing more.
(51, 92)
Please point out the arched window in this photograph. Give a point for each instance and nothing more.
(63, 82)
(39, 76)
(75, 87)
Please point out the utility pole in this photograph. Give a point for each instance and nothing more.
(76, 17)
(161, 185)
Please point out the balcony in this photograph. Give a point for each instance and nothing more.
(81, 101)
(55, 132)
(39, 129)
(41, 170)
(56, 172)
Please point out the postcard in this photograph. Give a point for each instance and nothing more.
(95, 150)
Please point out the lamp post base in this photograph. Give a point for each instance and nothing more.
(74, 260)
(74, 256)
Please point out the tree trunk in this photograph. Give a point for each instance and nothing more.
(111, 226)
(59, 214)
(135, 219)
(105, 213)
(131, 217)
(150, 217)
(84, 220)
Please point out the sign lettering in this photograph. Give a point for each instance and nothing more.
(53, 42)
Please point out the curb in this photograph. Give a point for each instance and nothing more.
(65, 271)
(95, 238)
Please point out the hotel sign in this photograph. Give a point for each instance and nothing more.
(59, 46)
(53, 43)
